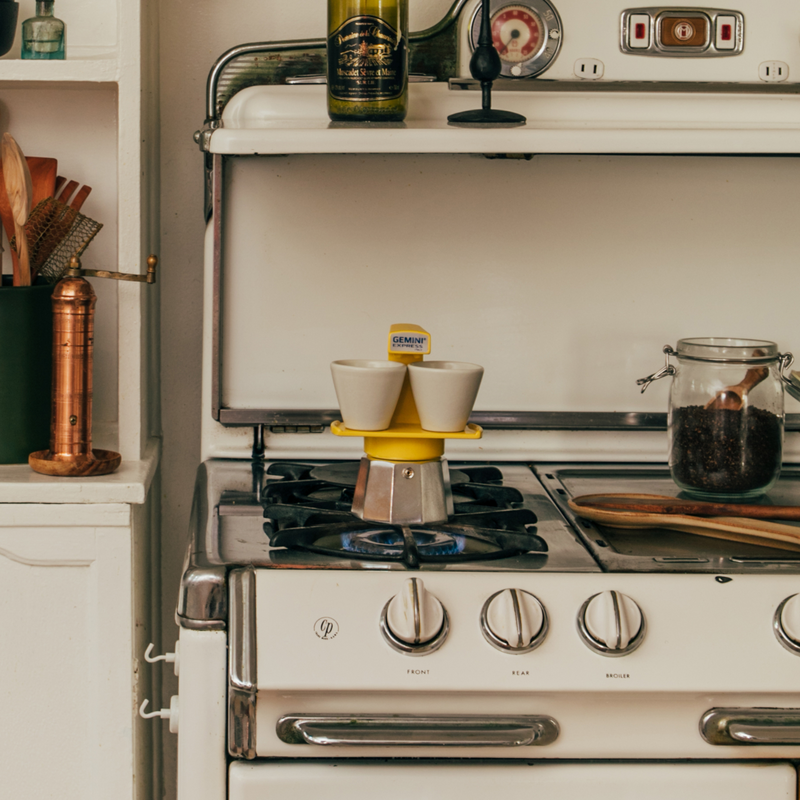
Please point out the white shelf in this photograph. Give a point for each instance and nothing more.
(293, 119)
(83, 65)
(129, 484)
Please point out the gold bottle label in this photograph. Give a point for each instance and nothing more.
(367, 60)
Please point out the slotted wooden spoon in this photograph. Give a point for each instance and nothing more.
(737, 529)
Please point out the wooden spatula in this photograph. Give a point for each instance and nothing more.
(65, 193)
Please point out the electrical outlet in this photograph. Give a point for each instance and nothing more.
(589, 69)
(773, 71)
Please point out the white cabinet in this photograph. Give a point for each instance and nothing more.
(79, 557)
(79, 610)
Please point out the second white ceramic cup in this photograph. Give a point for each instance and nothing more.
(444, 393)
(367, 391)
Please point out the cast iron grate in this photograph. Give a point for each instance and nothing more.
(305, 513)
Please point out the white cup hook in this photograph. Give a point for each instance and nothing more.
(170, 658)
(164, 713)
(170, 713)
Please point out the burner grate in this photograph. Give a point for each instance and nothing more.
(306, 513)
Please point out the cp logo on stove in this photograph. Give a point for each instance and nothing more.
(326, 628)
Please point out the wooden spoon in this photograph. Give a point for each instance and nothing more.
(660, 504)
(43, 178)
(733, 398)
(737, 529)
(17, 178)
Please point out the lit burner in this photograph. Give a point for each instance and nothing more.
(392, 543)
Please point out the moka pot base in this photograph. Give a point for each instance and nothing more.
(403, 493)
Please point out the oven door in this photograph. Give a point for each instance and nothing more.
(464, 781)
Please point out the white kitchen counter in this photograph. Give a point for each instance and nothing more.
(129, 484)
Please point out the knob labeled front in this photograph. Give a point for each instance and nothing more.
(611, 623)
(414, 621)
(787, 623)
(513, 621)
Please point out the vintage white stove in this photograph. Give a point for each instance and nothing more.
(513, 647)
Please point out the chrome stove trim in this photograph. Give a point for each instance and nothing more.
(751, 726)
(242, 664)
(217, 178)
(400, 730)
(500, 420)
(203, 594)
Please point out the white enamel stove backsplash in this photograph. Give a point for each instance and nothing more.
(708, 642)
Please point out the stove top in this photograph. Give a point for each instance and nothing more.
(660, 550)
(509, 517)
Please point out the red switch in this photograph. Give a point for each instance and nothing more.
(639, 31)
(726, 32)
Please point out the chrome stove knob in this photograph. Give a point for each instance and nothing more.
(414, 621)
(787, 623)
(611, 623)
(513, 621)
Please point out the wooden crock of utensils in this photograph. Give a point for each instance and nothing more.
(733, 398)
(759, 532)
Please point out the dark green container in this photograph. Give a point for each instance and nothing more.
(26, 365)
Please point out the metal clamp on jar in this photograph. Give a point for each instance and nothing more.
(725, 421)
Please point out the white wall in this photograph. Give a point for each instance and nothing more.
(193, 35)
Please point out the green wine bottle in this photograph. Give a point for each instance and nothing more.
(367, 60)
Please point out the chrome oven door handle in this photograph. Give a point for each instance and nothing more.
(398, 730)
(751, 726)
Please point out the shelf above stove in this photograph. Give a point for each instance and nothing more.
(272, 120)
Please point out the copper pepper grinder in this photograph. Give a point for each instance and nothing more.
(71, 452)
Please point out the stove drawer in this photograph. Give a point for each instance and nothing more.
(630, 781)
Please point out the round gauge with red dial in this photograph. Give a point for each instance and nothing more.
(516, 33)
(527, 35)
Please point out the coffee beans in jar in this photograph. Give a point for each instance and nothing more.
(725, 421)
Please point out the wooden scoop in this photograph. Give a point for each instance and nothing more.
(733, 398)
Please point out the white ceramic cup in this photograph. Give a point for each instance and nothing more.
(367, 391)
(444, 392)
